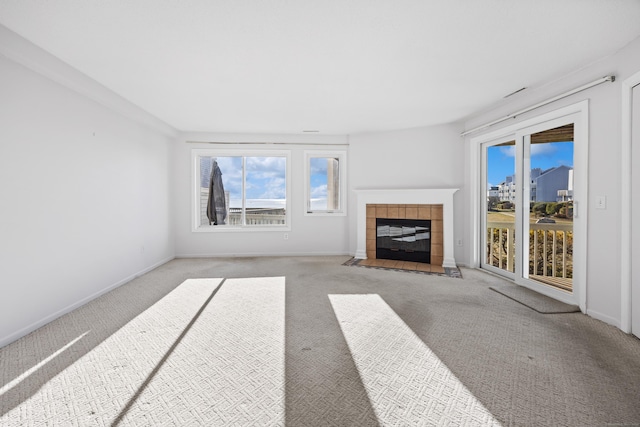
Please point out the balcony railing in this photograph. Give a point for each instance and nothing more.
(550, 251)
(254, 216)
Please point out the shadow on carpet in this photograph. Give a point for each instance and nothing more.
(535, 301)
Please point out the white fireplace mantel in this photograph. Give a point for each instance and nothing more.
(426, 196)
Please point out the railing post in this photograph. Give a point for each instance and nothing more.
(535, 251)
(500, 248)
(553, 255)
(509, 251)
(545, 261)
(490, 243)
(564, 254)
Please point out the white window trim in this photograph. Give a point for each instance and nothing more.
(196, 153)
(342, 159)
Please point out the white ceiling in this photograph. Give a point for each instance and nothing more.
(336, 66)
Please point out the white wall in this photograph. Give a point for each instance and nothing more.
(426, 157)
(82, 190)
(309, 235)
(603, 276)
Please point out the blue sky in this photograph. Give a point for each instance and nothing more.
(318, 182)
(265, 180)
(501, 159)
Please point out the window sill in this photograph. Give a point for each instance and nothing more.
(325, 213)
(239, 229)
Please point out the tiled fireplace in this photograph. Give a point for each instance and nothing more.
(418, 213)
(435, 205)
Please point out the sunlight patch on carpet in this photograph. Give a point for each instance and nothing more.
(210, 352)
(406, 382)
(230, 369)
(10, 385)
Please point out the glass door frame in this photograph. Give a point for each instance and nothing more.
(484, 208)
(523, 184)
(578, 114)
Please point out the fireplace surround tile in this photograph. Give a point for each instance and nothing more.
(371, 245)
(411, 212)
(371, 211)
(371, 224)
(437, 269)
(436, 212)
(423, 267)
(405, 211)
(436, 250)
(408, 265)
(436, 260)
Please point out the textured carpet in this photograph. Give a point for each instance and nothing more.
(309, 342)
(534, 300)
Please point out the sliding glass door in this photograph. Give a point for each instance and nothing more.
(528, 206)
(547, 205)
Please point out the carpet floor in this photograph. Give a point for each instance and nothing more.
(307, 341)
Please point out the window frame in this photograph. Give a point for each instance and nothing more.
(197, 153)
(341, 155)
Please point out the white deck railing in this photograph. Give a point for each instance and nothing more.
(235, 217)
(550, 248)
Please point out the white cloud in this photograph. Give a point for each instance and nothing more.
(319, 191)
(536, 150)
(542, 149)
(509, 151)
(319, 166)
(266, 167)
(274, 188)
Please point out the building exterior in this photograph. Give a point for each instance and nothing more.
(507, 189)
(551, 181)
(551, 185)
(493, 191)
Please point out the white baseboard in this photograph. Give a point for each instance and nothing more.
(606, 319)
(263, 254)
(38, 324)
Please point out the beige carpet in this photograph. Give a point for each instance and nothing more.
(309, 342)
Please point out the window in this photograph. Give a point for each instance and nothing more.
(240, 190)
(325, 190)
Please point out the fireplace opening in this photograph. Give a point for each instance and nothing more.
(403, 239)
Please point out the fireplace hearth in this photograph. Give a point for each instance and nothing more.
(403, 239)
